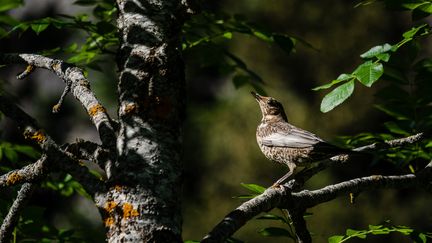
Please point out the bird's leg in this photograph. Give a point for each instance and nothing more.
(292, 168)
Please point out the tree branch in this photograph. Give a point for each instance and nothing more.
(29, 173)
(76, 82)
(12, 217)
(297, 202)
(57, 158)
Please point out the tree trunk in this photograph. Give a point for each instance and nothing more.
(142, 203)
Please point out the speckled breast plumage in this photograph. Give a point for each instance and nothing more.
(285, 155)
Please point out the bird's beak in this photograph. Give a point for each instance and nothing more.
(256, 96)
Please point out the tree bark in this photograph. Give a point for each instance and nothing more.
(142, 203)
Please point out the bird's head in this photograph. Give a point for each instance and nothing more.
(271, 109)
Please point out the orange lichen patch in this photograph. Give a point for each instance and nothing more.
(109, 221)
(110, 206)
(130, 108)
(129, 211)
(13, 178)
(56, 65)
(37, 136)
(96, 109)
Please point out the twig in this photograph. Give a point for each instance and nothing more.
(12, 217)
(79, 86)
(57, 158)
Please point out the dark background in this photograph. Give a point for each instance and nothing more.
(220, 150)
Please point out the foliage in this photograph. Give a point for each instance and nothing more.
(385, 229)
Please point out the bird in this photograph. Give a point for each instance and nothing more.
(287, 144)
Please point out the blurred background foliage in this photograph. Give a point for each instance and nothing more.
(280, 48)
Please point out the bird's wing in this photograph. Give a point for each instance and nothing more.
(294, 138)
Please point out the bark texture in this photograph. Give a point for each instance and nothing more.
(142, 203)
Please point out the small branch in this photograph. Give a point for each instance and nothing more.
(79, 86)
(12, 217)
(269, 199)
(57, 158)
(56, 107)
(296, 202)
(302, 233)
(391, 143)
(29, 173)
(312, 198)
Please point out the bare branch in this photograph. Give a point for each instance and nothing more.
(57, 158)
(29, 173)
(309, 199)
(391, 143)
(297, 202)
(12, 217)
(75, 81)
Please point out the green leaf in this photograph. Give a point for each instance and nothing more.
(284, 42)
(253, 187)
(262, 36)
(227, 35)
(335, 239)
(27, 150)
(10, 154)
(369, 72)
(10, 4)
(39, 27)
(337, 96)
(374, 51)
(274, 231)
(385, 57)
(272, 217)
(412, 32)
(395, 128)
(374, 227)
(339, 79)
(350, 232)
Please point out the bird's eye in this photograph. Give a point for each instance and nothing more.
(271, 102)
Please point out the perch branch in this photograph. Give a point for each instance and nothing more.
(297, 202)
(12, 217)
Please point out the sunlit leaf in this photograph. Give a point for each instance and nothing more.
(253, 187)
(337, 96)
(369, 72)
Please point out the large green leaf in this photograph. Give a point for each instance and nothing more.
(369, 72)
(337, 96)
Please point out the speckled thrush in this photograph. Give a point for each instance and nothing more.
(286, 144)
